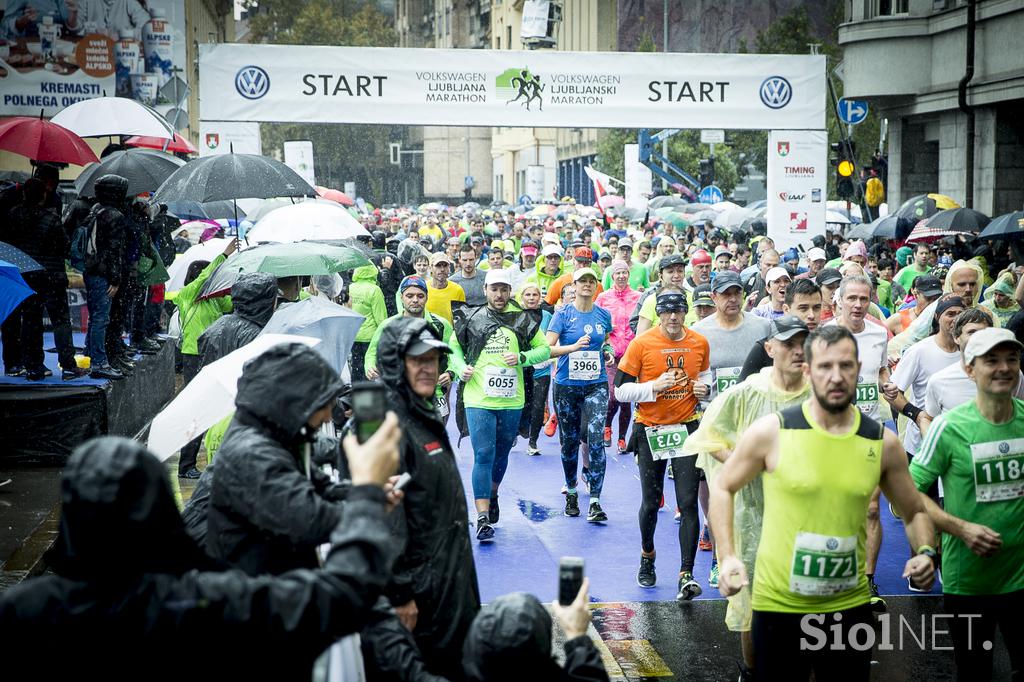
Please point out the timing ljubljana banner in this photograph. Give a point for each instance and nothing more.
(54, 54)
(796, 186)
(510, 88)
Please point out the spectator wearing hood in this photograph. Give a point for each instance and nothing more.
(964, 279)
(511, 641)
(254, 298)
(269, 508)
(367, 300)
(123, 570)
(434, 589)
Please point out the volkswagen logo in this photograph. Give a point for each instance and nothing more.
(252, 82)
(776, 92)
(832, 544)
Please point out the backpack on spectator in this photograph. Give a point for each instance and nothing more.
(83, 241)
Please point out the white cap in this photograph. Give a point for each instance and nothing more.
(550, 238)
(580, 273)
(816, 254)
(501, 276)
(984, 340)
(776, 273)
(552, 250)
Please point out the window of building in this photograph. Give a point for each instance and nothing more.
(448, 21)
(888, 8)
(508, 37)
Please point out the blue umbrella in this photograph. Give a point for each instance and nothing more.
(13, 289)
(1007, 226)
(18, 258)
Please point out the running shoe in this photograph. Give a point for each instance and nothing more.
(16, 371)
(192, 474)
(704, 544)
(493, 513)
(549, 428)
(622, 446)
(484, 530)
(532, 450)
(646, 577)
(607, 436)
(877, 603)
(688, 587)
(596, 514)
(678, 517)
(713, 577)
(72, 374)
(572, 504)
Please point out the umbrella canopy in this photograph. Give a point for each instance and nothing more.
(923, 232)
(861, 231)
(836, 218)
(316, 317)
(232, 176)
(42, 140)
(335, 195)
(18, 258)
(924, 206)
(209, 397)
(677, 220)
(733, 217)
(610, 201)
(13, 289)
(959, 220)
(207, 251)
(627, 212)
(665, 200)
(887, 227)
(211, 210)
(144, 169)
(265, 207)
(723, 205)
(178, 144)
(307, 220)
(108, 116)
(1007, 226)
(283, 260)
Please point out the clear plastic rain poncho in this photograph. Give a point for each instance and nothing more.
(726, 418)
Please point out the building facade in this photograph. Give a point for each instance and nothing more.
(928, 131)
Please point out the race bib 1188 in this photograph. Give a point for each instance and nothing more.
(998, 470)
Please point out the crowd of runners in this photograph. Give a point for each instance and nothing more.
(782, 393)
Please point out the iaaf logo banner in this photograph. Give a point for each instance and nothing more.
(786, 196)
(783, 148)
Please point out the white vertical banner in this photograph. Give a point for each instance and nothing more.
(350, 189)
(638, 178)
(221, 137)
(796, 186)
(298, 155)
(535, 19)
(535, 183)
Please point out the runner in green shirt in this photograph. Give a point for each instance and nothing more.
(977, 449)
(907, 275)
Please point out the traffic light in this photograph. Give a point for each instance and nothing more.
(706, 174)
(843, 159)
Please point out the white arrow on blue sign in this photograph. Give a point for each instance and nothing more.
(852, 111)
(711, 195)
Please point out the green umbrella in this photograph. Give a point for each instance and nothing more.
(283, 260)
(677, 220)
(664, 211)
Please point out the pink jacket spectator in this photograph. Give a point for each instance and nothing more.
(620, 304)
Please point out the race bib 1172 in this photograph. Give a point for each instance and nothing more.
(823, 564)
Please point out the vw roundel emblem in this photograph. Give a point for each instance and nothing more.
(832, 544)
(252, 82)
(776, 92)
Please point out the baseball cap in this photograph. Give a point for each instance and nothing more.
(440, 257)
(577, 275)
(928, 286)
(606, 254)
(984, 340)
(725, 280)
(722, 250)
(856, 248)
(788, 326)
(412, 281)
(700, 257)
(702, 295)
(671, 302)
(776, 273)
(500, 276)
(829, 276)
(626, 241)
(583, 253)
(424, 343)
(552, 250)
(476, 239)
(816, 254)
(670, 260)
(550, 238)
(528, 250)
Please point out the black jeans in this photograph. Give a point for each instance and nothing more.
(23, 331)
(652, 487)
(535, 407)
(357, 360)
(190, 366)
(777, 638)
(973, 661)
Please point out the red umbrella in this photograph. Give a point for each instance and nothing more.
(335, 195)
(178, 144)
(41, 140)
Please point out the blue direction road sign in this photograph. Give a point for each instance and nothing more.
(710, 195)
(852, 111)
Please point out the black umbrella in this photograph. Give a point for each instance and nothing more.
(863, 231)
(145, 170)
(1006, 226)
(887, 227)
(959, 219)
(232, 176)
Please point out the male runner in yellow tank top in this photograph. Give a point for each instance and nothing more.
(820, 463)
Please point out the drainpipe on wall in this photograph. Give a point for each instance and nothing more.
(972, 6)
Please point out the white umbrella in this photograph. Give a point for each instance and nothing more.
(103, 116)
(316, 317)
(723, 205)
(209, 397)
(263, 207)
(732, 217)
(306, 221)
(835, 217)
(208, 250)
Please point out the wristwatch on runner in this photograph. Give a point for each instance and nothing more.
(928, 551)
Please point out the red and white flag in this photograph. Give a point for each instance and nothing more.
(602, 183)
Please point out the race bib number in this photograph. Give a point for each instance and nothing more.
(998, 470)
(500, 382)
(441, 404)
(666, 442)
(867, 394)
(727, 377)
(584, 365)
(823, 565)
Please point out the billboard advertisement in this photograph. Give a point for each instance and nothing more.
(56, 53)
(797, 183)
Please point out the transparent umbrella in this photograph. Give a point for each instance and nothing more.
(316, 317)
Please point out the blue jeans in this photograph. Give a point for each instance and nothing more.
(587, 404)
(492, 433)
(98, 304)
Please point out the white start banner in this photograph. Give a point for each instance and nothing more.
(323, 84)
(796, 186)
